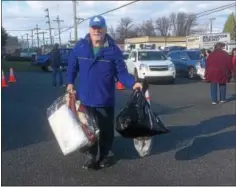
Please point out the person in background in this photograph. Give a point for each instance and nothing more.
(99, 62)
(56, 66)
(207, 52)
(203, 54)
(234, 64)
(218, 71)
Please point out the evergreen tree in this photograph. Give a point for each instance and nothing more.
(230, 26)
(3, 37)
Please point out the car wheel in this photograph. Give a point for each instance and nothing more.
(44, 68)
(49, 67)
(191, 73)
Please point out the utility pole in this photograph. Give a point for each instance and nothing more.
(27, 39)
(59, 27)
(32, 37)
(43, 40)
(75, 20)
(43, 36)
(22, 43)
(49, 25)
(211, 19)
(37, 33)
(70, 36)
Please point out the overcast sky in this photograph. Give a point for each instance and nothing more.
(24, 15)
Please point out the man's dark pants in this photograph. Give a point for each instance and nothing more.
(105, 117)
(57, 71)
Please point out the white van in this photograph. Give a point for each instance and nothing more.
(152, 64)
(230, 46)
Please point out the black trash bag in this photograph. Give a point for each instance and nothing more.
(138, 120)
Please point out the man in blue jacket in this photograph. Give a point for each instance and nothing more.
(99, 62)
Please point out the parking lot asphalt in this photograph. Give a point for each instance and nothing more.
(199, 150)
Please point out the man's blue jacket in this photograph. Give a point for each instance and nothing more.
(97, 74)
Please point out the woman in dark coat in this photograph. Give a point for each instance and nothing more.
(218, 72)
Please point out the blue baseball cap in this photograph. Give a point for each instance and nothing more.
(97, 21)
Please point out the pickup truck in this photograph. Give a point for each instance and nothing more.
(44, 61)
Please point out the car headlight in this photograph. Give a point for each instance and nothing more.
(143, 67)
(171, 66)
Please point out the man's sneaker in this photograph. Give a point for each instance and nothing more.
(223, 101)
(90, 163)
(214, 103)
(104, 162)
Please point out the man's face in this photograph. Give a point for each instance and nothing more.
(97, 33)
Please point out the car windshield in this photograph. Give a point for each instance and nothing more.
(194, 55)
(151, 55)
(125, 56)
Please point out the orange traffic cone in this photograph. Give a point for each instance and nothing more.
(11, 77)
(119, 86)
(4, 84)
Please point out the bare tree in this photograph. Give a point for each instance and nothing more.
(163, 25)
(112, 32)
(147, 29)
(124, 29)
(182, 23)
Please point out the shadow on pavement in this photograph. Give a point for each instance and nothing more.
(204, 145)
(180, 137)
(232, 98)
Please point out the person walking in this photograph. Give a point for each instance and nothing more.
(56, 66)
(218, 72)
(98, 61)
(234, 64)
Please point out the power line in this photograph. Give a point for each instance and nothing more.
(30, 29)
(204, 13)
(216, 11)
(223, 7)
(23, 17)
(79, 22)
(207, 12)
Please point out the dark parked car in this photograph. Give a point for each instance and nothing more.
(186, 61)
(172, 48)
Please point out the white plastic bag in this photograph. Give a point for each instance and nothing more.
(143, 146)
(70, 133)
(201, 72)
